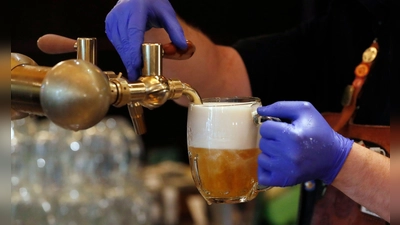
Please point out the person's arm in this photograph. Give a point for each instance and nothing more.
(213, 70)
(365, 178)
(307, 148)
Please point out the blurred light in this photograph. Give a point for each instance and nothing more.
(75, 146)
(91, 131)
(74, 194)
(12, 133)
(103, 203)
(14, 180)
(41, 163)
(111, 123)
(101, 127)
(46, 206)
(23, 192)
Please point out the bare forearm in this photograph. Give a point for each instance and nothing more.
(213, 70)
(365, 177)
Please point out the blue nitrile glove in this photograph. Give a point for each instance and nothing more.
(305, 149)
(127, 22)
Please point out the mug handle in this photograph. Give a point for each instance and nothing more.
(257, 119)
(261, 188)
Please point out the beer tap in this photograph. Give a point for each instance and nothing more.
(76, 94)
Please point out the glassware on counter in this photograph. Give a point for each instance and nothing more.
(89, 177)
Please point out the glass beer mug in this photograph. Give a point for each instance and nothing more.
(223, 137)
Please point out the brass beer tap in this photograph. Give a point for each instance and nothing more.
(75, 94)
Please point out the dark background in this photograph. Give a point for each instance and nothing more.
(224, 21)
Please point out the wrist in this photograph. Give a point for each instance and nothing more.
(363, 171)
(342, 153)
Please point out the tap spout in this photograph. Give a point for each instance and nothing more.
(191, 94)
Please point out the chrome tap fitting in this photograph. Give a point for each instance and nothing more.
(75, 94)
(152, 89)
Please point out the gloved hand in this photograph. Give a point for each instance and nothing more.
(305, 149)
(127, 22)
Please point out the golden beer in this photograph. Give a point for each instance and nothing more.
(225, 175)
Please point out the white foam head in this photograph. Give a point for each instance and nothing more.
(223, 125)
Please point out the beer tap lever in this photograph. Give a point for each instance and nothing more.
(85, 47)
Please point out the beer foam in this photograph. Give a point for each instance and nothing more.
(222, 125)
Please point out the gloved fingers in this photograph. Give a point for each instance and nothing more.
(121, 1)
(126, 33)
(271, 163)
(118, 21)
(131, 49)
(264, 169)
(270, 147)
(265, 162)
(171, 24)
(131, 57)
(273, 130)
(263, 176)
(285, 109)
(270, 177)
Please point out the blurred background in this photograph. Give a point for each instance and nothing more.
(223, 21)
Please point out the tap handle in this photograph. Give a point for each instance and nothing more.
(56, 44)
(86, 48)
(170, 51)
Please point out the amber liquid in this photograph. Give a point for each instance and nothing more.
(225, 176)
